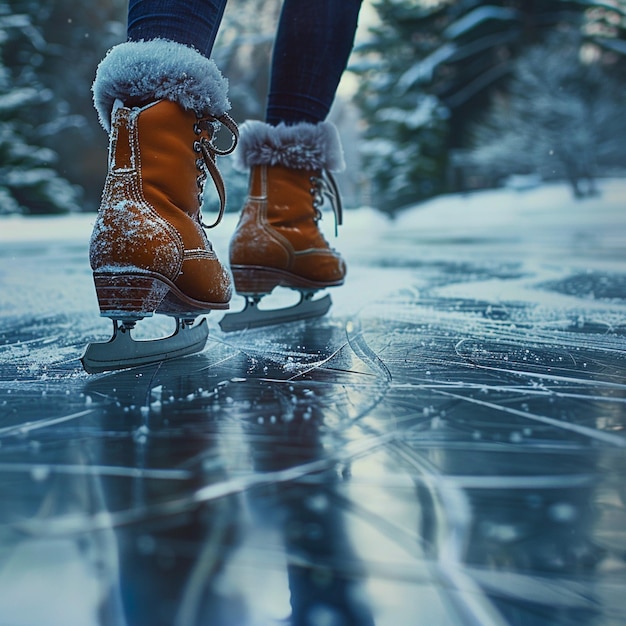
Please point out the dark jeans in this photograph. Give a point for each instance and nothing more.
(311, 50)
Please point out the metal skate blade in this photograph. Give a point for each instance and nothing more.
(253, 317)
(122, 351)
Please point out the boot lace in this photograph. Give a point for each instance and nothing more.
(206, 128)
(325, 187)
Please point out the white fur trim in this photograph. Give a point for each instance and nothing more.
(301, 146)
(161, 70)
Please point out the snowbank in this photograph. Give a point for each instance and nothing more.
(485, 212)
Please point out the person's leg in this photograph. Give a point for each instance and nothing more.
(160, 98)
(291, 155)
(311, 51)
(191, 22)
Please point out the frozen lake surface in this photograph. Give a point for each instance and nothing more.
(446, 447)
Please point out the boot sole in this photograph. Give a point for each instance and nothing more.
(257, 280)
(135, 295)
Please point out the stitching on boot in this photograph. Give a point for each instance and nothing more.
(198, 253)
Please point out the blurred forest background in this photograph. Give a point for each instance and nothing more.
(441, 96)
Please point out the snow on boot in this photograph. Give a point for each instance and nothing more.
(161, 102)
(277, 241)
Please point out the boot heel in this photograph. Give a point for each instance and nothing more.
(128, 295)
(254, 280)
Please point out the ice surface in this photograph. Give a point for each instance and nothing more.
(447, 446)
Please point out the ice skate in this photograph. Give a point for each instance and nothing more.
(277, 242)
(149, 252)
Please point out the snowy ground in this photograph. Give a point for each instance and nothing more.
(446, 447)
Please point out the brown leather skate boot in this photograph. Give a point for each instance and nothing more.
(149, 252)
(148, 248)
(277, 241)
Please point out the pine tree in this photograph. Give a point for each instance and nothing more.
(29, 181)
(428, 74)
(404, 141)
(59, 51)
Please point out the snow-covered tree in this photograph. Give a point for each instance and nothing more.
(561, 117)
(29, 178)
(437, 62)
(405, 129)
(57, 52)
